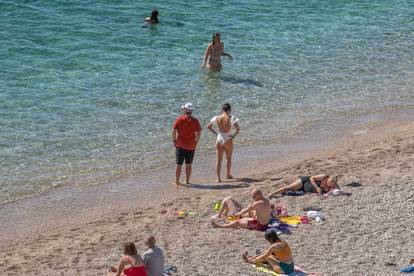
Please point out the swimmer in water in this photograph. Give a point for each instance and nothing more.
(214, 51)
(153, 19)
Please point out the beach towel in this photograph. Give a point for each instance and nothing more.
(408, 269)
(291, 220)
(279, 227)
(266, 269)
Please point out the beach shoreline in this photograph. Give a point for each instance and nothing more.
(66, 212)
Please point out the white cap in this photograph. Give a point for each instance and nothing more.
(188, 107)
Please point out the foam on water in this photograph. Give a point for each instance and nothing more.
(87, 95)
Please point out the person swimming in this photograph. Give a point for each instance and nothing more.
(153, 19)
(214, 51)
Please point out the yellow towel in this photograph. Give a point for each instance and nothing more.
(292, 220)
(265, 270)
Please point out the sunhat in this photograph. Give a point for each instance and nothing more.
(188, 107)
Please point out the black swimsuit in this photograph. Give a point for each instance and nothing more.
(307, 185)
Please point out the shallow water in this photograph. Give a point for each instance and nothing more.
(87, 95)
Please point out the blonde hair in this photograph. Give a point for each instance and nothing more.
(333, 178)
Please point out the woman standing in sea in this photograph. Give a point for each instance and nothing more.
(214, 51)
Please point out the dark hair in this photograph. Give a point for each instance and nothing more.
(130, 249)
(271, 236)
(214, 35)
(226, 107)
(154, 16)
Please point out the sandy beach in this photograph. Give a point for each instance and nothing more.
(362, 233)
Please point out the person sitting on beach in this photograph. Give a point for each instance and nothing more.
(278, 255)
(224, 142)
(153, 258)
(258, 213)
(131, 264)
(213, 53)
(320, 184)
(153, 19)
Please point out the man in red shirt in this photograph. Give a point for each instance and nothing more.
(186, 133)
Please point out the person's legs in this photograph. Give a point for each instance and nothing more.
(178, 174)
(179, 159)
(229, 206)
(228, 148)
(234, 224)
(220, 151)
(188, 170)
(189, 155)
(297, 185)
(274, 264)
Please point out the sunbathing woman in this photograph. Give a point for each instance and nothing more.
(320, 184)
(213, 53)
(131, 264)
(224, 124)
(278, 255)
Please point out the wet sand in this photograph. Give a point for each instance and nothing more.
(80, 230)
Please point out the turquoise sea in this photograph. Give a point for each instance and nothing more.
(87, 95)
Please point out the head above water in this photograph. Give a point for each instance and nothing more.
(226, 108)
(130, 249)
(154, 15)
(216, 37)
(271, 236)
(256, 194)
(150, 242)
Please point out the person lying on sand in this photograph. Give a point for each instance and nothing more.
(258, 213)
(320, 184)
(278, 255)
(131, 264)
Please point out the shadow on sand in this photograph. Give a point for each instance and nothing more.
(353, 184)
(216, 186)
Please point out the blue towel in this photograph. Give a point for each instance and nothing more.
(408, 269)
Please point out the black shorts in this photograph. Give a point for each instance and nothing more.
(181, 154)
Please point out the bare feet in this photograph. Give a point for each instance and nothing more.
(229, 176)
(218, 180)
(176, 183)
(215, 224)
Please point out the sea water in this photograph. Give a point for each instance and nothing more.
(88, 93)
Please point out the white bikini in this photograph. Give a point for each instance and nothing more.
(223, 137)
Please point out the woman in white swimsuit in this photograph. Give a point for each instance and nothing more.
(224, 143)
(213, 53)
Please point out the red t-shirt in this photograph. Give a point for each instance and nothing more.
(187, 127)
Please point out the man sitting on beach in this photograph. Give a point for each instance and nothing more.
(153, 258)
(258, 213)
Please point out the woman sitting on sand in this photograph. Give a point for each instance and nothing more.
(278, 255)
(131, 264)
(320, 184)
(213, 53)
(224, 142)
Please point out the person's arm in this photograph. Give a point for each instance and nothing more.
(226, 54)
(315, 178)
(261, 258)
(237, 127)
(120, 268)
(210, 127)
(246, 210)
(206, 55)
(174, 135)
(198, 135)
